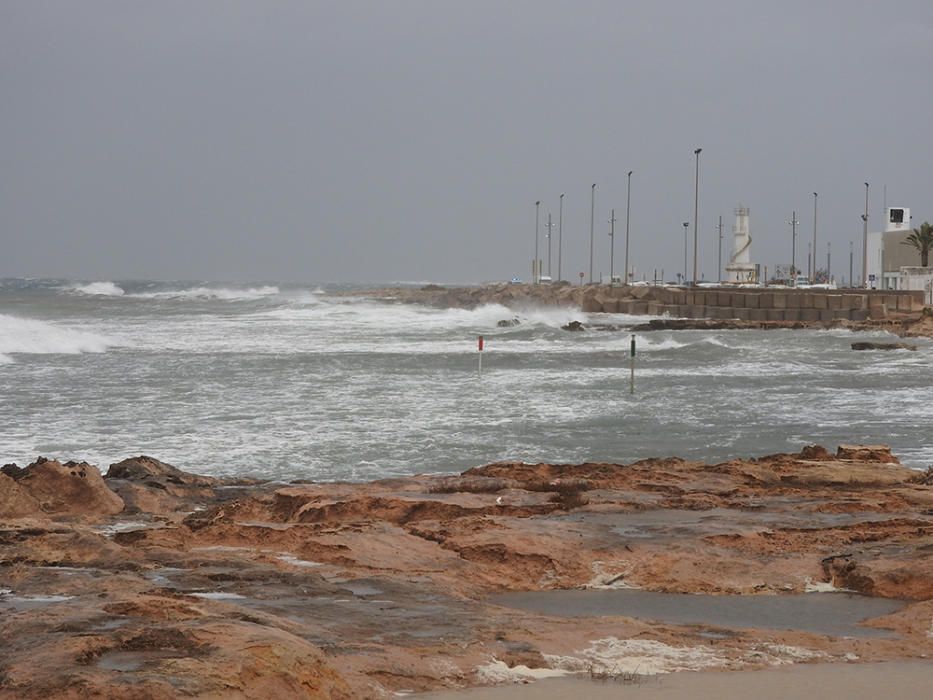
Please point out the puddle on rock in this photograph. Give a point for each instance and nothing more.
(834, 614)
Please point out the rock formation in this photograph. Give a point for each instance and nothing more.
(366, 590)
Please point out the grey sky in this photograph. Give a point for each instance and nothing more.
(326, 141)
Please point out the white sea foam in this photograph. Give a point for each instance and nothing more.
(104, 289)
(218, 293)
(218, 595)
(31, 336)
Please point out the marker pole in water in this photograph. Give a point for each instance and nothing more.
(480, 352)
(632, 382)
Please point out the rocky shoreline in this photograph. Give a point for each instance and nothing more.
(150, 582)
(902, 313)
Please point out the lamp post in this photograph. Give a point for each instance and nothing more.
(851, 258)
(719, 271)
(592, 211)
(534, 264)
(628, 210)
(696, 207)
(612, 244)
(813, 276)
(550, 228)
(686, 226)
(793, 248)
(865, 241)
(560, 235)
(829, 260)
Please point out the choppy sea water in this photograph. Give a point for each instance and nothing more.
(283, 381)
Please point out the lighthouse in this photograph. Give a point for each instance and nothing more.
(740, 269)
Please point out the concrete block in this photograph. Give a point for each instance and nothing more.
(853, 301)
(905, 302)
(639, 307)
(842, 315)
(752, 301)
(791, 314)
(737, 300)
(723, 298)
(624, 306)
(758, 314)
(655, 308)
(779, 300)
(808, 315)
(890, 301)
(858, 314)
(834, 301)
(766, 300)
(611, 306)
(820, 301)
(591, 305)
(774, 314)
(827, 314)
(793, 300)
(742, 313)
(877, 310)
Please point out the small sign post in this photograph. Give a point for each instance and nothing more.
(581, 279)
(480, 354)
(632, 381)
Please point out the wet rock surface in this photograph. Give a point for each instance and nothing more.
(186, 585)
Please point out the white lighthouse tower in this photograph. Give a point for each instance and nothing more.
(740, 268)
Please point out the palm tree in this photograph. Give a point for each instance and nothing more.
(921, 239)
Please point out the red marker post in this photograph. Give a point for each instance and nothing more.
(480, 351)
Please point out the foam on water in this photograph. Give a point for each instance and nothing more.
(31, 336)
(105, 289)
(209, 293)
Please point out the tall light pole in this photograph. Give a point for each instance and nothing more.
(534, 264)
(550, 228)
(686, 226)
(811, 262)
(628, 211)
(719, 271)
(560, 235)
(696, 208)
(793, 248)
(612, 244)
(592, 212)
(813, 276)
(865, 241)
(829, 260)
(851, 258)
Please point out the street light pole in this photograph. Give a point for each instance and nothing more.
(719, 271)
(560, 235)
(592, 212)
(612, 244)
(550, 228)
(829, 260)
(628, 211)
(865, 242)
(696, 207)
(851, 258)
(534, 264)
(793, 249)
(686, 226)
(813, 276)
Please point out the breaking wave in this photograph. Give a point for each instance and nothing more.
(207, 293)
(103, 289)
(30, 336)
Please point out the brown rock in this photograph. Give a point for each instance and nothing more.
(73, 488)
(142, 468)
(867, 453)
(15, 502)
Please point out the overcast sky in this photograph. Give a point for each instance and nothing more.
(409, 140)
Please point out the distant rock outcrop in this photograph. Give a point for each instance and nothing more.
(883, 346)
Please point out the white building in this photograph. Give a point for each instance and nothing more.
(885, 254)
(740, 269)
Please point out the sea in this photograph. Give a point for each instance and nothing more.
(324, 382)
